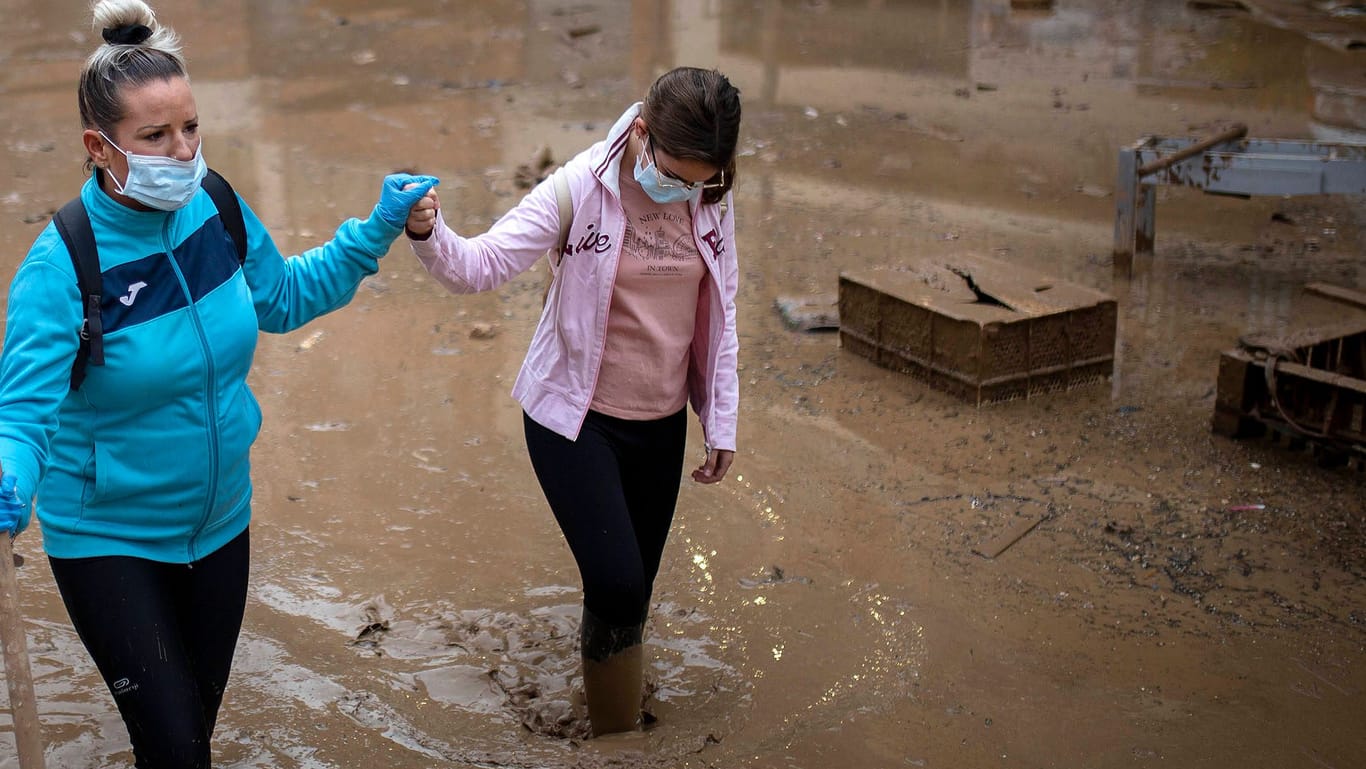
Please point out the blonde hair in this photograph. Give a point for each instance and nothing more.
(136, 49)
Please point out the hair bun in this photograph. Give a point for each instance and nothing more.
(129, 34)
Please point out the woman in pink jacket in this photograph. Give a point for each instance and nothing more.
(638, 322)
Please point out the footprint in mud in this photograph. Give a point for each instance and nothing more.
(552, 713)
(493, 662)
(496, 662)
(538, 677)
(541, 711)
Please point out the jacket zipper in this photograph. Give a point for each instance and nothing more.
(715, 332)
(210, 398)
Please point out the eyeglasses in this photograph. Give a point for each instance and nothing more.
(669, 181)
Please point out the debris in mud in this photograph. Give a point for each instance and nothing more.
(375, 617)
(1216, 5)
(42, 146)
(370, 634)
(535, 170)
(1020, 525)
(328, 427)
(809, 313)
(311, 340)
(424, 460)
(774, 576)
(537, 713)
(483, 331)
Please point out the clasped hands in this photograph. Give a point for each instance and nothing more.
(399, 194)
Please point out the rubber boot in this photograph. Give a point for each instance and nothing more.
(613, 674)
(612, 689)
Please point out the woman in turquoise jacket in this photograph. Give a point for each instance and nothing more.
(142, 470)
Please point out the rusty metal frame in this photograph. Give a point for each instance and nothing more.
(1226, 164)
(1309, 386)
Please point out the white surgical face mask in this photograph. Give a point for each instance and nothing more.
(160, 182)
(650, 180)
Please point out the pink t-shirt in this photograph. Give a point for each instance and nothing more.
(644, 372)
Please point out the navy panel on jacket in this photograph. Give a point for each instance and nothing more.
(208, 258)
(138, 291)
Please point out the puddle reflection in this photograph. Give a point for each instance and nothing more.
(392, 487)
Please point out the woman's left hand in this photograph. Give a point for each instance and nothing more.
(714, 469)
(12, 517)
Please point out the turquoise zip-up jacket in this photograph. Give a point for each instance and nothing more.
(150, 457)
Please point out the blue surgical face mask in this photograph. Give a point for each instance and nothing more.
(160, 182)
(649, 181)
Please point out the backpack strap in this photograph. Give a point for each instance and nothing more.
(566, 203)
(229, 211)
(73, 225)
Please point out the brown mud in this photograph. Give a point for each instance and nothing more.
(1184, 599)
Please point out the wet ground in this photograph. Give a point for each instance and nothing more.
(1186, 600)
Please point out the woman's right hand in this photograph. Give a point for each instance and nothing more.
(399, 193)
(422, 218)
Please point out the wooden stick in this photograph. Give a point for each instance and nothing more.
(1236, 131)
(1020, 526)
(1338, 293)
(27, 736)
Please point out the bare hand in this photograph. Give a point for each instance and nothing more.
(716, 466)
(422, 217)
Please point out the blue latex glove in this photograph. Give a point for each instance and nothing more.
(395, 202)
(12, 517)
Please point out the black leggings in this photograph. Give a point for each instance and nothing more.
(613, 492)
(162, 636)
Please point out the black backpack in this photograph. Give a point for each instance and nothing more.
(73, 224)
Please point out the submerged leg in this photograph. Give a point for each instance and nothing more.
(613, 674)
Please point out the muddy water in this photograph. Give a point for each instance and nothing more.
(412, 603)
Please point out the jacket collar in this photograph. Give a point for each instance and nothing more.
(112, 216)
(607, 155)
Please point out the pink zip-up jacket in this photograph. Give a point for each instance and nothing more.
(556, 382)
